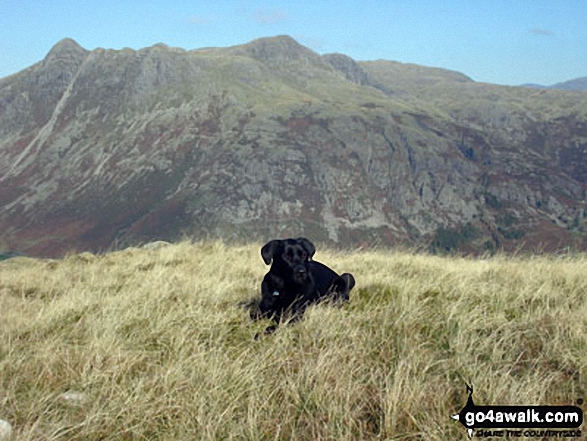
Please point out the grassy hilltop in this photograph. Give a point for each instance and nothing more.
(157, 345)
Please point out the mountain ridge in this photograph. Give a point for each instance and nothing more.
(576, 84)
(108, 147)
(284, 40)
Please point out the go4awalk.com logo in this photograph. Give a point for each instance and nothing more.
(520, 421)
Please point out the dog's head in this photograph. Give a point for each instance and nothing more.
(290, 257)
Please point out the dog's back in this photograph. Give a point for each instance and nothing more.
(323, 278)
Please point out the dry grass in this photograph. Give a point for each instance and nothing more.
(160, 347)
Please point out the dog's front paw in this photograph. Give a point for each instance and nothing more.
(268, 331)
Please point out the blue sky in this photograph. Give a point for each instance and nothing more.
(497, 41)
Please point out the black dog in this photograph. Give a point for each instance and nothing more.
(294, 281)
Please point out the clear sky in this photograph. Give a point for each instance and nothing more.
(498, 41)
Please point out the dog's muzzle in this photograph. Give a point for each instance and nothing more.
(300, 274)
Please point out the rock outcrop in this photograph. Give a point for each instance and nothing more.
(107, 148)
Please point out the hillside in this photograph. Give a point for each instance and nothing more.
(155, 343)
(577, 84)
(102, 149)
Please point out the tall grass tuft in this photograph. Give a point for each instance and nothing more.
(156, 345)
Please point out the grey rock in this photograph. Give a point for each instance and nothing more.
(110, 148)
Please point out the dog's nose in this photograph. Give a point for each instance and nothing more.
(301, 270)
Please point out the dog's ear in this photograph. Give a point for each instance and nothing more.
(268, 250)
(307, 245)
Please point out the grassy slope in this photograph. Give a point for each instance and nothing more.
(439, 89)
(158, 343)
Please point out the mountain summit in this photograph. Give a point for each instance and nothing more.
(66, 47)
(576, 84)
(281, 48)
(269, 139)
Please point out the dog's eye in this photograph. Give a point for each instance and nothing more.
(303, 254)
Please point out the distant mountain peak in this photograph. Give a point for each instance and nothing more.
(67, 44)
(278, 40)
(280, 48)
(66, 48)
(162, 47)
(118, 147)
(575, 84)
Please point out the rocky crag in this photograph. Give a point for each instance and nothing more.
(105, 148)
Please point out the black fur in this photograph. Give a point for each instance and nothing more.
(294, 281)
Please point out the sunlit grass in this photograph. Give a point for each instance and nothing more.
(160, 347)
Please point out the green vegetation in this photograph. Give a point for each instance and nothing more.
(511, 233)
(156, 345)
(505, 224)
(7, 255)
(449, 239)
(493, 202)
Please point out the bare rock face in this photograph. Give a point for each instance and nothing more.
(351, 69)
(270, 139)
